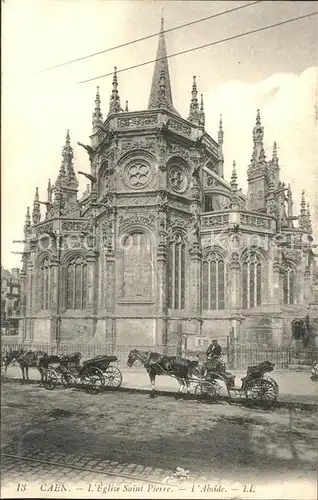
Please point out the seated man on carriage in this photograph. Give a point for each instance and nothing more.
(213, 354)
(214, 364)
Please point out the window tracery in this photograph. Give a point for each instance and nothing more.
(252, 281)
(213, 286)
(76, 284)
(176, 272)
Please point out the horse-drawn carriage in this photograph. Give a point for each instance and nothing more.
(93, 374)
(256, 385)
(208, 378)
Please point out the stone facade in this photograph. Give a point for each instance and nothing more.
(161, 247)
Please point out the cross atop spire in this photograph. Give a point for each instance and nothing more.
(160, 74)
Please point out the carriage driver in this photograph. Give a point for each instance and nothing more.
(214, 350)
(213, 353)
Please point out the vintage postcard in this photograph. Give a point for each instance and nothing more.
(159, 273)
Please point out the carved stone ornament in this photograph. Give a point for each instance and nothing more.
(215, 221)
(128, 145)
(251, 220)
(148, 220)
(138, 174)
(44, 229)
(137, 121)
(235, 261)
(176, 150)
(71, 225)
(179, 127)
(178, 179)
(292, 254)
(178, 222)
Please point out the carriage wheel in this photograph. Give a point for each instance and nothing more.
(207, 390)
(93, 380)
(113, 377)
(261, 390)
(67, 379)
(50, 380)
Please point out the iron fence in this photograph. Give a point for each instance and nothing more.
(239, 357)
(235, 356)
(89, 351)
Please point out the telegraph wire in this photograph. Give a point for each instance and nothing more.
(240, 35)
(151, 36)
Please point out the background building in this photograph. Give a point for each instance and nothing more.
(161, 247)
(10, 301)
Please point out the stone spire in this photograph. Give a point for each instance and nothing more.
(258, 136)
(49, 192)
(66, 185)
(220, 142)
(194, 114)
(308, 215)
(289, 202)
(302, 219)
(126, 107)
(36, 212)
(274, 156)
(97, 114)
(220, 132)
(202, 114)
(271, 203)
(233, 183)
(114, 105)
(68, 155)
(27, 222)
(161, 70)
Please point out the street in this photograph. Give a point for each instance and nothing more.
(123, 435)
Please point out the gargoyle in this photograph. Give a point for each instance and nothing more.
(46, 203)
(88, 176)
(88, 148)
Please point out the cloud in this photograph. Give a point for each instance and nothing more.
(288, 106)
(38, 108)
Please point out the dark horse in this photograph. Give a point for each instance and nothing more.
(158, 364)
(29, 359)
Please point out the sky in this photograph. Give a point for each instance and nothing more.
(275, 70)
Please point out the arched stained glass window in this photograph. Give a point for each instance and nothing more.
(252, 281)
(213, 289)
(288, 284)
(176, 273)
(45, 284)
(138, 266)
(76, 284)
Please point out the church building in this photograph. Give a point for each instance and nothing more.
(161, 247)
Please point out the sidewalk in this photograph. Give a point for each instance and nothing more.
(294, 387)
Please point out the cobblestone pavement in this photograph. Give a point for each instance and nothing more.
(76, 473)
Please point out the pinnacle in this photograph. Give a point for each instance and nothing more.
(114, 106)
(220, 132)
(97, 114)
(234, 178)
